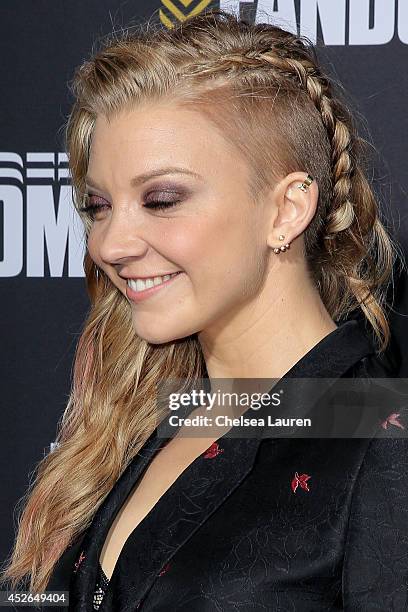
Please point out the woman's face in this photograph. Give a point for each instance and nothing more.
(214, 235)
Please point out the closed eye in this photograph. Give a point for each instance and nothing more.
(97, 203)
(157, 204)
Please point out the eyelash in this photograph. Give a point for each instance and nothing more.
(90, 209)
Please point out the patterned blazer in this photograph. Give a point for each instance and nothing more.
(264, 523)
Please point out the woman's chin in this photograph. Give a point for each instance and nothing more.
(159, 335)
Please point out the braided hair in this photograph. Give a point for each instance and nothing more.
(264, 88)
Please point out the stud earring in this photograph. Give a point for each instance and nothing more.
(283, 248)
(306, 183)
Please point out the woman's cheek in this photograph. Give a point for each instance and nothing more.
(186, 243)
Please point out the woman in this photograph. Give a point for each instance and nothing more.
(215, 161)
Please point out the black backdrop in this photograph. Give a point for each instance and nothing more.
(363, 43)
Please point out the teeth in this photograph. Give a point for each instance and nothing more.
(141, 285)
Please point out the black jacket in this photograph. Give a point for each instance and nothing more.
(233, 535)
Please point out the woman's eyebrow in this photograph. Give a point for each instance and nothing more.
(142, 178)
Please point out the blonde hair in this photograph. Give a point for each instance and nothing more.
(262, 87)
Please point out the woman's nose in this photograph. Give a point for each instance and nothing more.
(124, 236)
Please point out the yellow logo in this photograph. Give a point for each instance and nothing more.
(173, 12)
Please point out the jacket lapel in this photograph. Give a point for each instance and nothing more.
(83, 578)
(194, 496)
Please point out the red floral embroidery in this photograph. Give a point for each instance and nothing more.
(81, 558)
(300, 480)
(164, 570)
(393, 420)
(213, 450)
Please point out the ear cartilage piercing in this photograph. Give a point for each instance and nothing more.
(306, 183)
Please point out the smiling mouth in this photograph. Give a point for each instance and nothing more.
(138, 290)
(141, 284)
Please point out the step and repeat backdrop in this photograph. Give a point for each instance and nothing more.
(363, 43)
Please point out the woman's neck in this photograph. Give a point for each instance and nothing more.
(267, 336)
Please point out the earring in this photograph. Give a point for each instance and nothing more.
(283, 247)
(306, 183)
(97, 275)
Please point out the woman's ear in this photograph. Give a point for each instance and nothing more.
(293, 208)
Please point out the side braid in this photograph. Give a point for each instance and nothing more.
(350, 270)
(345, 212)
(319, 90)
(359, 273)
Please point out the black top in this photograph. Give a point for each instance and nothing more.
(263, 523)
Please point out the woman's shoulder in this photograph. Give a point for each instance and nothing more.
(376, 550)
(373, 364)
(376, 547)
